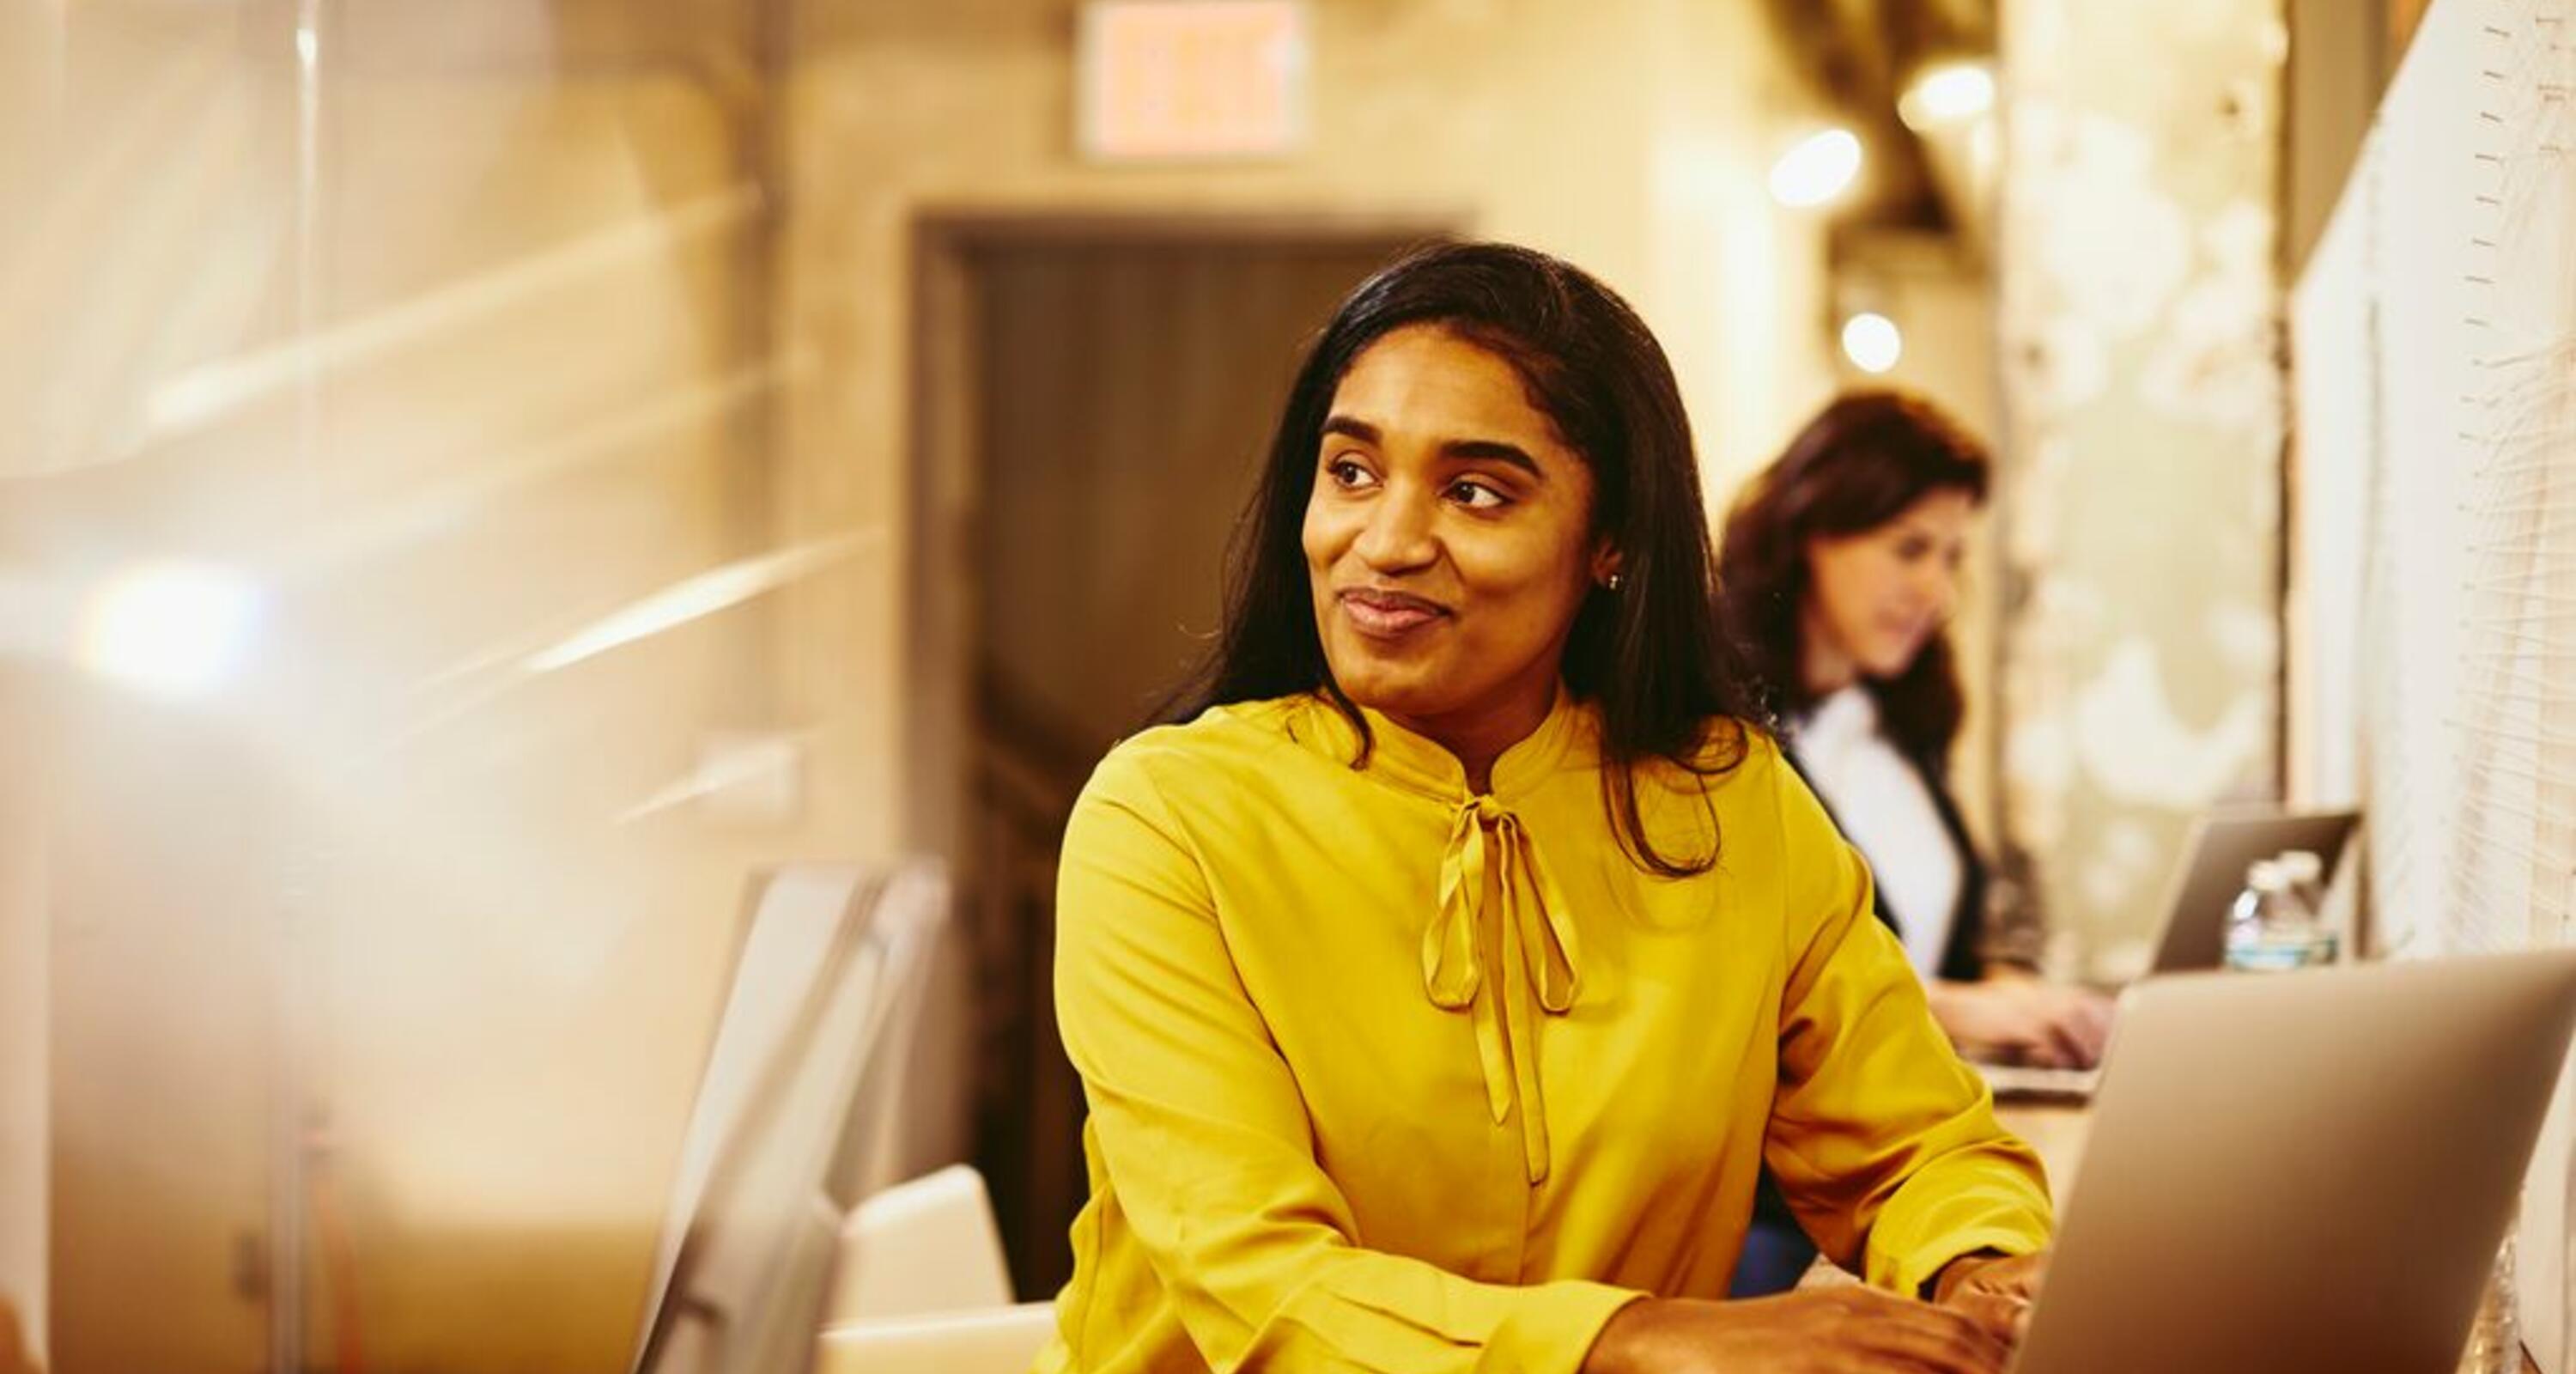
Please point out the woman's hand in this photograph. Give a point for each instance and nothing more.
(2016, 1017)
(1841, 1330)
(1995, 1290)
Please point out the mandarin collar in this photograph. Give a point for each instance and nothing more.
(1416, 763)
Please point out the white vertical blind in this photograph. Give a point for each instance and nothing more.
(2454, 253)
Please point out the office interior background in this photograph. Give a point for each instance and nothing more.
(485, 486)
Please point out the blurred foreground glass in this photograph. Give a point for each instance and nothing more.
(414, 653)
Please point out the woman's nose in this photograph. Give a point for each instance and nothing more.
(1941, 588)
(1398, 534)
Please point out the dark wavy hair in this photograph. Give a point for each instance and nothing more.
(1648, 656)
(1859, 464)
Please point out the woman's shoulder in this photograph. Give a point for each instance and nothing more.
(1221, 747)
(1724, 754)
(1719, 793)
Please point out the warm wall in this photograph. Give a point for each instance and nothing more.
(25, 1033)
(2142, 408)
(1628, 136)
(528, 949)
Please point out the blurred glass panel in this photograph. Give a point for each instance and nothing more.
(383, 535)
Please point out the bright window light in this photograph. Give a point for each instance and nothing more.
(1821, 167)
(1872, 342)
(1951, 93)
(170, 629)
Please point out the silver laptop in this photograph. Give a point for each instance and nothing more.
(2303, 1171)
(2197, 897)
(2213, 870)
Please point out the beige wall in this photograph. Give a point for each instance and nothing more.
(130, 1114)
(562, 214)
(1628, 136)
(25, 1032)
(2142, 402)
(29, 42)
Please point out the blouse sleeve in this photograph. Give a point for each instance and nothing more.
(1199, 1125)
(1884, 1144)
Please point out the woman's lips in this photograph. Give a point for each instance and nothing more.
(1389, 615)
(1908, 629)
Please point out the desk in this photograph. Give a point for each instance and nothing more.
(2057, 1132)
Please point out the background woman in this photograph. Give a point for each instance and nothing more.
(1840, 570)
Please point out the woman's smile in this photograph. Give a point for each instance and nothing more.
(1391, 617)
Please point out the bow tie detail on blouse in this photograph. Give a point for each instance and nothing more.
(1491, 855)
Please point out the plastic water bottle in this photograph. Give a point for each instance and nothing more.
(2273, 928)
(2306, 874)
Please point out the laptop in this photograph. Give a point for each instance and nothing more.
(2308, 1170)
(2193, 936)
(2213, 870)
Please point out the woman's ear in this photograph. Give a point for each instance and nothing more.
(1606, 564)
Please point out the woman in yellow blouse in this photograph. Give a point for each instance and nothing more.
(1441, 988)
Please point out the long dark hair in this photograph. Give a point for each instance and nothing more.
(1859, 464)
(1649, 655)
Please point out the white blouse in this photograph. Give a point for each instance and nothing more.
(1887, 812)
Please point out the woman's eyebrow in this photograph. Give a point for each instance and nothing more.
(1350, 428)
(1493, 451)
(1454, 450)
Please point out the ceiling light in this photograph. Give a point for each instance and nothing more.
(1821, 167)
(1951, 93)
(1872, 342)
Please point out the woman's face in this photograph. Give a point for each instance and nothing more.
(1875, 598)
(1448, 539)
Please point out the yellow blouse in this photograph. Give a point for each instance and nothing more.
(1386, 1076)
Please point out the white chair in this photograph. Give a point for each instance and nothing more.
(920, 1287)
(827, 986)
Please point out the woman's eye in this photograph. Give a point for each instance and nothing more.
(1348, 474)
(1477, 496)
(1912, 549)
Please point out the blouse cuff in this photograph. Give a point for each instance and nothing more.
(1908, 1272)
(1555, 1331)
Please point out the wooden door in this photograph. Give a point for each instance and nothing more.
(1125, 392)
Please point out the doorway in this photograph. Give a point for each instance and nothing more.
(1093, 403)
